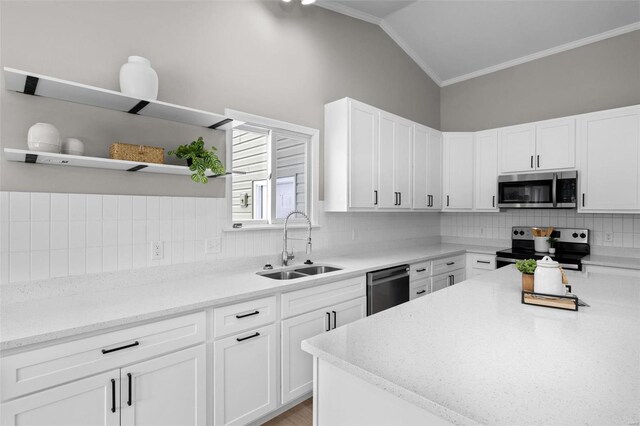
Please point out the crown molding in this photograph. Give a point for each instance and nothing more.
(544, 53)
(346, 10)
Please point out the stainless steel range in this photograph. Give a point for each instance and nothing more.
(572, 246)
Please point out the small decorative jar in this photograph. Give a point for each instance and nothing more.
(72, 146)
(44, 137)
(138, 79)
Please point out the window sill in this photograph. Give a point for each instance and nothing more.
(270, 227)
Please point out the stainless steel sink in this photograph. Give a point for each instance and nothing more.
(283, 275)
(315, 270)
(299, 272)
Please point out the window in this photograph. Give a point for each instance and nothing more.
(275, 170)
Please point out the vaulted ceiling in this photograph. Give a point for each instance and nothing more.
(457, 40)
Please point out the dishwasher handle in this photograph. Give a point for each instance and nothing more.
(386, 275)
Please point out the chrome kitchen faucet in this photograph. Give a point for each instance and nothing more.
(286, 256)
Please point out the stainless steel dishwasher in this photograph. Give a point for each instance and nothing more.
(387, 288)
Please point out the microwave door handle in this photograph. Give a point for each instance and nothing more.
(554, 192)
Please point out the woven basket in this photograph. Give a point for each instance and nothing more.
(138, 153)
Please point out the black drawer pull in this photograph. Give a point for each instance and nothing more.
(483, 261)
(421, 270)
(247, 315)
(328, 321)
(240, 339)
(335, 319)
(451, 263)
(130, 379)
(421, 291)
(106, 351)
(113, 395)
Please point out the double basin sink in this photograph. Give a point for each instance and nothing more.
(300, 272)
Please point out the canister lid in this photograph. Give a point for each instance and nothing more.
(547, 262)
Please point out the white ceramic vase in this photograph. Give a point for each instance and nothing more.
(548, 277)
(541, 244)
(44, 137)
(72, 146)
(138, 79)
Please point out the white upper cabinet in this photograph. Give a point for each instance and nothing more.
(394, 154)
(556, 144)
(486, 171)
(546, 145)
(458, 171)
(427, 168)
(609, 161)
(351, 150)
(517, 148)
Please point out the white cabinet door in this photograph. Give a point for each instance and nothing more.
(458, 171)
(91, 401)
(446, 280)
(517, 146)
(434, 170)
(556, 144)
(387, 195)
(486, 171)
(420, 197)
(609, 161)
(363, 161)
(297, 365)
(168, 390)
(244, 367)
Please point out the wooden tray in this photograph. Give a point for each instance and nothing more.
(569, 303)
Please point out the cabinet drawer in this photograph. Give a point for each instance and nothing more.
(482, 261)
(53, 365)
(310, 299)
(243, 316)
(419, 270)
(442, 266)
(419, 290)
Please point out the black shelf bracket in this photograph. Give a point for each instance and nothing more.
(136, 109)
(30, 85)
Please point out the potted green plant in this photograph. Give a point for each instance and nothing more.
(527, 267)
(552, 244)
(199, 160)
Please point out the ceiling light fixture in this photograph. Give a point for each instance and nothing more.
(306, 2)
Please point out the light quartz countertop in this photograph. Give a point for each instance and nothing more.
(472, 353)
(612, 261)
(119, 299)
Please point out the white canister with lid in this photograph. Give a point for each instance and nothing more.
(138, 79)
(548, 277)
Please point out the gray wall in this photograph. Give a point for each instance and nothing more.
(273, 59)
(594, 77)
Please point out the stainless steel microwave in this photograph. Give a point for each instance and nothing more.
(557, 190)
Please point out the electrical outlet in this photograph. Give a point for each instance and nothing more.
(353, 235)
(481, 232)
(157, 250)
(213, 245)
(608, 237)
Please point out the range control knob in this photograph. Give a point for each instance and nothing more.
(515, 232)
(574, 235)
(583, 235)
(521, 232)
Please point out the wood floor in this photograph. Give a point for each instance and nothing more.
(300, 415)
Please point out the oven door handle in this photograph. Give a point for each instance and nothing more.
(563, 265)
(504, 259)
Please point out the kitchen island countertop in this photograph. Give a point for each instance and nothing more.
(472, 353)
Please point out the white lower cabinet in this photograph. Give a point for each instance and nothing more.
(480, 263)
(91, 401)
(446, 280)
(419, 288)
(297, 367)
(244, 367)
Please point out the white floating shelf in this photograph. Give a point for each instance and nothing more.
(26, 156)
(50, 87)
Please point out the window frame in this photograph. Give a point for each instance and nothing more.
(311, 168)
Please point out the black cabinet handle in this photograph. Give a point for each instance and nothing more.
(421, 270)
(493, 201)
(129, 400)
(483, 261)
(113, 395)
(583, 199)
(328, 321)
(399, 198)
(532, 161)
(451, 263)
(430, 201)
(538, 160)
(451, 280)
(247, 315)
(241, 339)
(447, 201)
(422, 291)
(375, 197)
(106, 351)
(335, 319)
